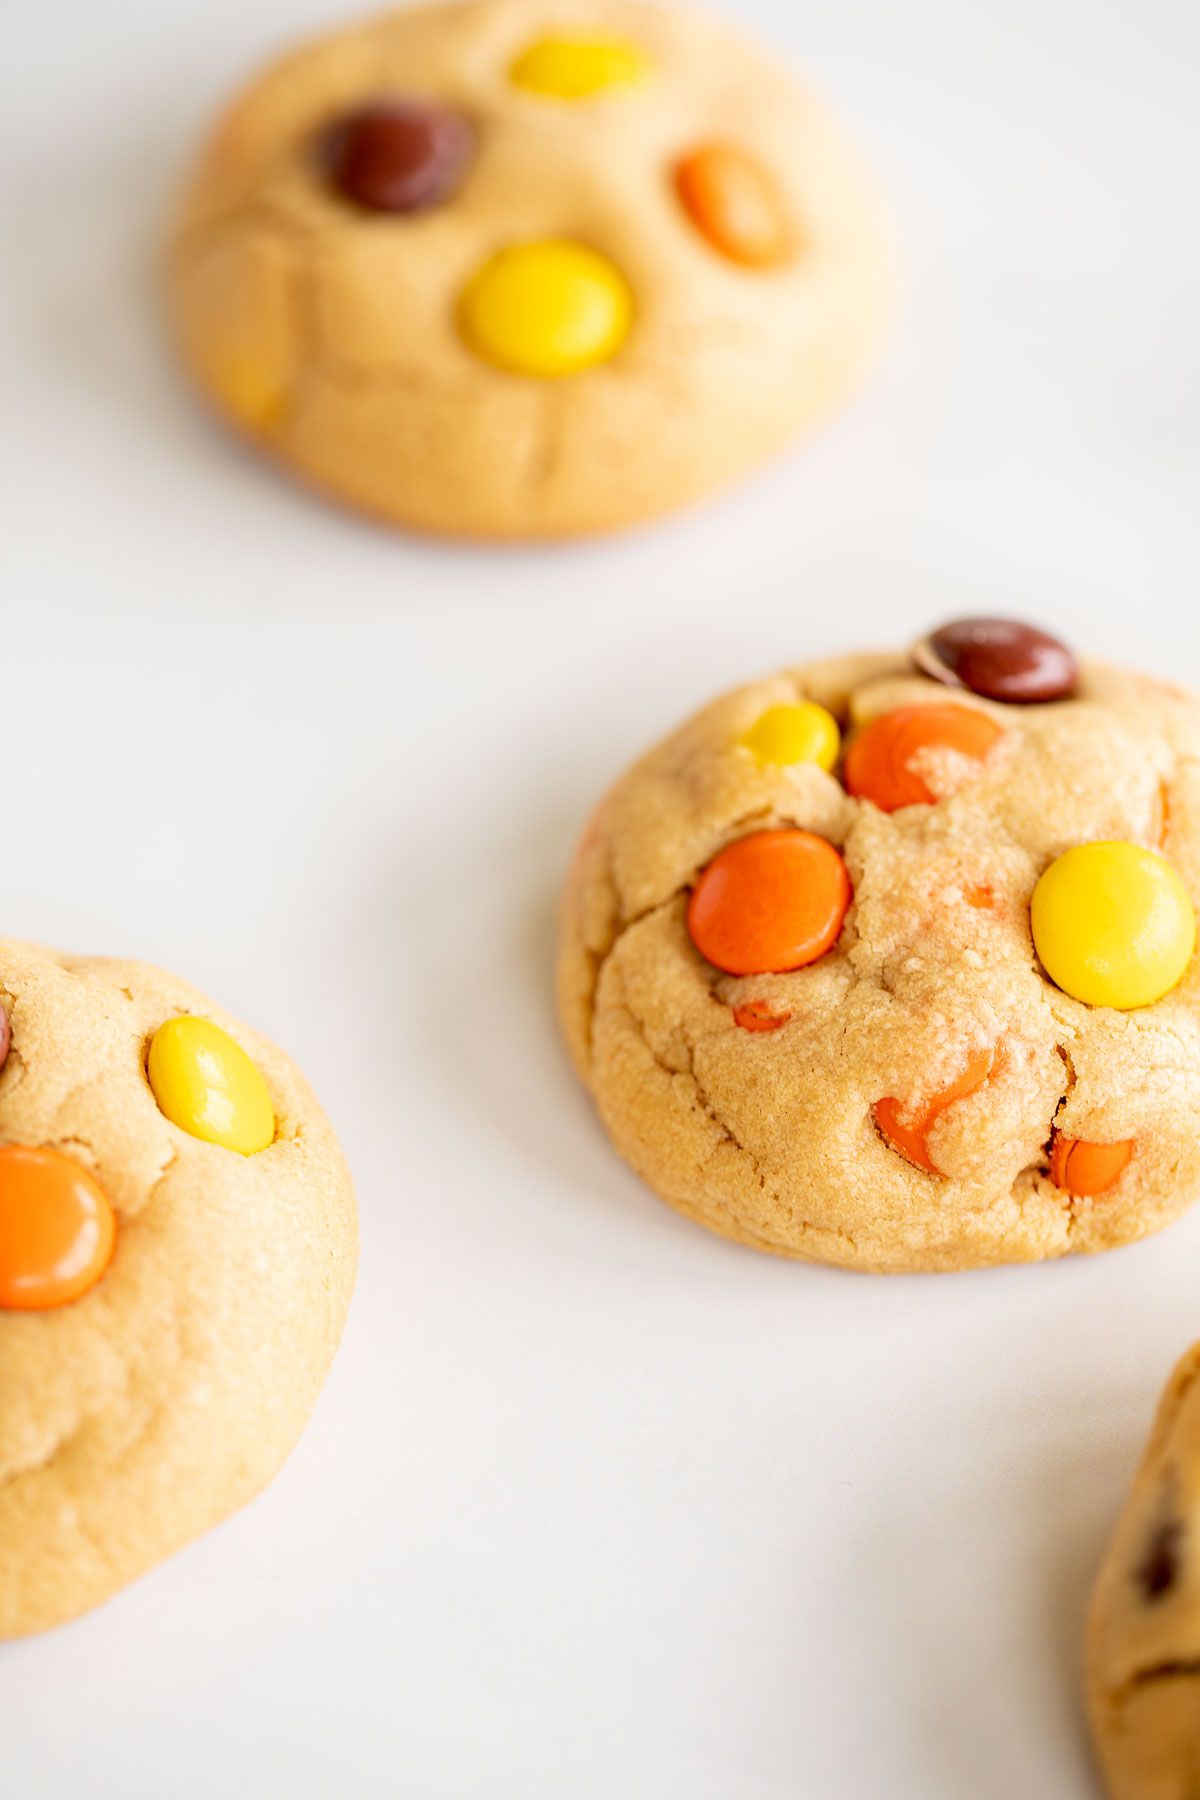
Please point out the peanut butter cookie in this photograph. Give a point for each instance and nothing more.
(526, 268)
(921, 1000)
(177, 1249)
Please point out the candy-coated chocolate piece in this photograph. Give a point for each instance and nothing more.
(907, 1131)
(548, 308)
(206, 1084)
(734, 203)
(400, 156)
(999, 659)
(5, 1037)
(57, 1229)
(769, 902)
(883, 764)
(759, 1015)
(1082, 1168)
(1113, 925)
(575, 68)
(804, 732)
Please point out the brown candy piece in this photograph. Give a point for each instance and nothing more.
(5, 1037)
(1158, 1570)
(999, 659)
(399, 156)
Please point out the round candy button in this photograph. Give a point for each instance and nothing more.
(1113, 925)
(735, 204)
(888, 761)
(400, 156)
(788, 734)
(575, 68)
(206, 1084)
(552, 307)
(770, 902)
(57, 1229)
(1082, 1168)
(999, 659)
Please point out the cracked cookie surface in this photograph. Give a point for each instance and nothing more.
(921, 1095)
(136, 1417)
(1143, 1640)
(333, 334)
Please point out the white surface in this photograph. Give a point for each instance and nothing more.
(594, 1505)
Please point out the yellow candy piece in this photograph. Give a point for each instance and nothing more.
(1113, 925)
(247, 350)
(574, 68)
(547, 308)
(801, 733)
(207, 1085)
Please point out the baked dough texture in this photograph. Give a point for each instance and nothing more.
(330, 334)
(1143, 1642)
(769, 1136)
(137, 1417)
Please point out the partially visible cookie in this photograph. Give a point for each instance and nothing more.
(526, 268)
(178, 1243)
(1143, 1642)
(888, 961)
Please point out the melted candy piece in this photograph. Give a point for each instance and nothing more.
(908, 1131)
(758, 1015)
(883, 764)
(1083, 1169)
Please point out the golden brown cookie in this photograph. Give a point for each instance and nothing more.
(1143, 1643)
(526, 268)
(921, 999)
(177, 1249)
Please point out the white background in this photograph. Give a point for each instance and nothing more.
(594, 1505)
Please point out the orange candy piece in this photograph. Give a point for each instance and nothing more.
(1082, 1168)
(908, 1131)
(756, 1015)
(769, 902)
(733, 202)
(57, 1229)
(879, 762)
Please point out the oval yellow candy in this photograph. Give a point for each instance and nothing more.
(208, 1086)
(546, 308)
(575, 68)
(804, 732)
(1113, 925)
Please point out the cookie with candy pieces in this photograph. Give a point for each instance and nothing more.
(178, 1242)
(527, 268)
(889, 961)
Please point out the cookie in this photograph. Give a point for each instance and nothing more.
(888, 961)
(526, 268)
(177, 1249)
(1143, 1640)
